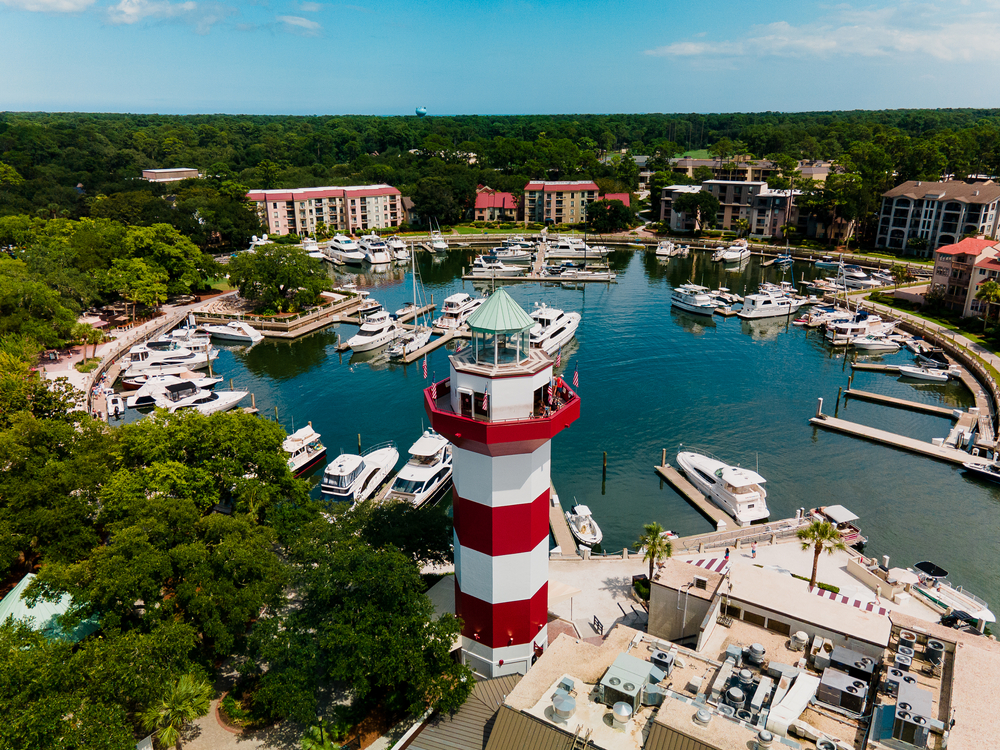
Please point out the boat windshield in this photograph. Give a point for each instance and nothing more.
(343, 480)
(408, 486)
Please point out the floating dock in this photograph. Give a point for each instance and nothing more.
(899, 403)
(539, 279)
(871, 367)
(883, 437)
(559, 526)
(689, 493)
(726, 313)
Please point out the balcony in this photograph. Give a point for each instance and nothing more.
(546, 421)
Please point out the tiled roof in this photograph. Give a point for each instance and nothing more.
(968, 246)
(623, 197)
(301, 194)
(570, 186)
(495, 200)
(955, 190)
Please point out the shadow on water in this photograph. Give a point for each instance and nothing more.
(282, 360)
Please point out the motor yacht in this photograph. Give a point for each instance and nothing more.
(875, 342)
(569, 271)
(409, 342)
(456, 310)
(186, 395)
(770, 304)
(355, 478)
(844, 332)
(737, 491)
(933, 356)
(924, 373)
(152, 387)
(934, 587)
(346, 250)
(437, 243)
(990, 471)
(665, 249)
(737, 252)
(512, 255)
(566, 246)
(517, 242)
(304, 449)
(694, 299)
(378, 330)
(491, 267)
(427, 474)
(376, 252)
(155, 355)
(827, 261)
(312, 247)
(583, 526)
(553, 328)
(398, 248)
(718, 255)
(236, 332)
(853, 277)
(368, 306)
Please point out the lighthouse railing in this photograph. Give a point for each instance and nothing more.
(563, 398)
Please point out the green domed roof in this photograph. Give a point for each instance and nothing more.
(500, 314)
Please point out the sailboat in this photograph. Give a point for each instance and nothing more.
(413, 340)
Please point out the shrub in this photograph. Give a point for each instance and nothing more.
(641, 588)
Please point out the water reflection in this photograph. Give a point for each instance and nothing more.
(692, 323)
(282, 360)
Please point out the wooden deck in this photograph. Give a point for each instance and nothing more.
(558, 525)
(872, 367)
(899, 403)
(687, 490)
(883, 437)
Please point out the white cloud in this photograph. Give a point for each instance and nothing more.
(927, 29)
(310, 7)
(300, 25)
(50, 6)
(132, 11)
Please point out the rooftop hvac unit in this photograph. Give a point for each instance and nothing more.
(907, 639)
(799, 640)
(653, 695)
(727, 711)
(664, 660)
(563, 706)
(755, 654)
(913, 707)
(840, 689)
(902, 663)
(735, 698)
(621, 713)
(702, 717)
(858, 666)
(893, 678)
(934, 651)
(906, 651)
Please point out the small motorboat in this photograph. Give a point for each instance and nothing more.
(116, 407)
(583, 526)
(923, 373)
(990, 471)
(304, 449)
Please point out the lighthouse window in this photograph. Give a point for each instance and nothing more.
(477, 407)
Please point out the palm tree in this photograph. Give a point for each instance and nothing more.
(989, 292)
(820, 535)
(657, 546)
(188, 699)
(899, 273)
(742, 227)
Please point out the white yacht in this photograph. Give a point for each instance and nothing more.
(853, 277)
(368, 306)
(155, 355)
(427, 475)
(583, 526)
(235, 331)
(842, 333)
(694, 299)
(304, 449)
(312, 247)
(512, 255)
(456, 310)
(553, 328)
(665, 249)
(875, 342)
(518, 242)
(437, 243)
(346, 250)
(491, 267)
(737, 491)
(566, 246)
(398, 248)
(769, 305)
(568, 271)
(186, 395)
(116, 407)
(355, 478)
(376, 252)
(409, 342)
(737, 252)
(153, 386)
(378, 330)
(132, 384)
(924, 373)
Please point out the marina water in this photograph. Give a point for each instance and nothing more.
(652, 379)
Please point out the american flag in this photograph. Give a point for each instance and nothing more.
(551, 390)
(576, 378)
(559, 357)
(486, 401)
(425, 368)
(434, 391)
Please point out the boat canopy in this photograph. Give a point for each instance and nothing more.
(737, 477)
(428, 444)
(931, 570)
(839, 514)
(581, 510)
(300, 437)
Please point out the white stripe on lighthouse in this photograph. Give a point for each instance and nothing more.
(501, 480)
(507, 578)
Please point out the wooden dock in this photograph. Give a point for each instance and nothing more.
(559, 526)
(883, 437)
(432, 345)
(899, 403)
(726, 313)
(687, 490)
(872, 367)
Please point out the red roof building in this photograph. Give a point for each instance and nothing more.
(495, 206)
(355, 208)
(558, 202)
(623, 197)
(959, 270)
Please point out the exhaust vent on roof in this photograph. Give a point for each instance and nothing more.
(700, 582)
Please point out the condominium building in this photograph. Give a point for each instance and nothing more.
(746, 169)
(937, 214)
(493, 205)
(959, 270)
(764, 210)
(349, 209)
(563, 202)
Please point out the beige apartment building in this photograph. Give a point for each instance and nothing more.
(349, 209)
(563, 202)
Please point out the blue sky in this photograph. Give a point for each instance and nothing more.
(501, 57)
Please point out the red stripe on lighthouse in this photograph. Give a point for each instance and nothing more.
(505, 530)
(506, 624)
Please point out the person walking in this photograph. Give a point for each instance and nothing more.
(727, 554)
(753, 550)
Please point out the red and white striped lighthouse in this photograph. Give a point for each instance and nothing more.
(500, 408)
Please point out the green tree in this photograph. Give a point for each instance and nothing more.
(627, 172)
(702, 204)
(137, 281)
(267, 174)
(820, 535)
(9, 176)
(988, 292)
(606, 216)
(161, 247)
(277, 277)
(29, 307)
(435, 199)
(901, 274)
(655, 543)
(742, 227)
(188, 699)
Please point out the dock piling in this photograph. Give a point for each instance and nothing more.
(359, 442)
(839, 392)
(275, 412)
(253, 400)
(663, 460)
(819, 407)
(604, 469)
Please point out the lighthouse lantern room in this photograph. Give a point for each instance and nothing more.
(500, 407)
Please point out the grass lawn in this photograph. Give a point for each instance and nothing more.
(88, 365)
(222, 285)
(474, 230)
(951, 324)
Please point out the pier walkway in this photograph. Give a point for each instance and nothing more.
(902, 442)
(899, 403)
(559, 526)
(688, 491)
